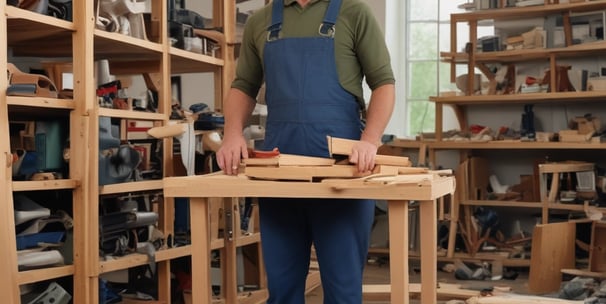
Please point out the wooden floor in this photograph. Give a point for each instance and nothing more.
(379, 274)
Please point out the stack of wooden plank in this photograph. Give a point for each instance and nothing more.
(388, 169)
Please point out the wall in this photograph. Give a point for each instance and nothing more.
(198, 87)
(395, 30)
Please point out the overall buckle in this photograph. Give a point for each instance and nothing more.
(273, 32)
(327, 30)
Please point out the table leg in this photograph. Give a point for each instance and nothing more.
(429, 251)
(398, 250)
(229, 259)
(200, 250)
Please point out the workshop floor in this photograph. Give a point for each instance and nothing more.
(379, 274)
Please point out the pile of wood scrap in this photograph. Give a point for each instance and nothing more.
(582, 129)
(445, 291)
(274, 165)
(508, 298)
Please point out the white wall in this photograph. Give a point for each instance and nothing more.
(198, 87)
(395, 33)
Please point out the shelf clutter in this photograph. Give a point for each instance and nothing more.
(84, 180)
(86, 177)
(517, 170)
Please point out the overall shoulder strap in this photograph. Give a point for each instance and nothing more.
(277, 16)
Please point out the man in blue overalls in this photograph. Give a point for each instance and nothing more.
(313, 56)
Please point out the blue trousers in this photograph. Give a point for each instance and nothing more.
(339, 231)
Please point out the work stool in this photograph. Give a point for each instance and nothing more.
(585, 180)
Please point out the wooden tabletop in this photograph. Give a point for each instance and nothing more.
(426, 187)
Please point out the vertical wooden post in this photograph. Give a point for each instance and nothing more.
(166, 212)
(200, 250)
(429, 267)
(398, 250)
(8, 256)
(84, 164)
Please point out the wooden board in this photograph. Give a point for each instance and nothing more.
(382, 292)
(519, 299)
(552, 250)
(342, 146)
(313, 281)
(378, 180)
(381, 174)
(289, 160)
(304, 173)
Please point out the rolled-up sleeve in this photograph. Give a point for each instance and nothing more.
(249, 68)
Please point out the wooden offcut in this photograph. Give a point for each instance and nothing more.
(382, 292)
(597, 250)
(510, 298)
(552, 250)
(168, 130)
(211, 34)
(307, 168)
(304, 173)
(289, 160)
(309, 173)
(341, 146)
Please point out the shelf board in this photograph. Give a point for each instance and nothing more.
(486, 256)
(515, 204)
(139, 186)
(39, 102)
(512, 145)
(173, 253)
(127, 114)
(217, 244)
(511, 56)
(409, 144)
(37, 275)
(32, 34)
(513, 13)
(121, 47)
(527, 98)
(37, 22)
(182, 62)
(481, 256)
(57, 184)
(248, 239)
(494, 203)
(572, 207)
(138, 259)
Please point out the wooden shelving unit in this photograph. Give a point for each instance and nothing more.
(30, 35)
(475, 60)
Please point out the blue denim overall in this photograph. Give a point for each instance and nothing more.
(306, 103)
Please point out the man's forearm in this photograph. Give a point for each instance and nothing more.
(379, 112)
(237, 109)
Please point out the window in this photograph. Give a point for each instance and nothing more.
(427, 34)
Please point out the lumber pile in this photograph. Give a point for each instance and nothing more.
(274, 165)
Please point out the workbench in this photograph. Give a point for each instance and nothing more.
(201, 188)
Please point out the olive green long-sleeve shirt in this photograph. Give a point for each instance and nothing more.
(360, 49)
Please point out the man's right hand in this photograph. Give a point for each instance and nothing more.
(232, 150)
